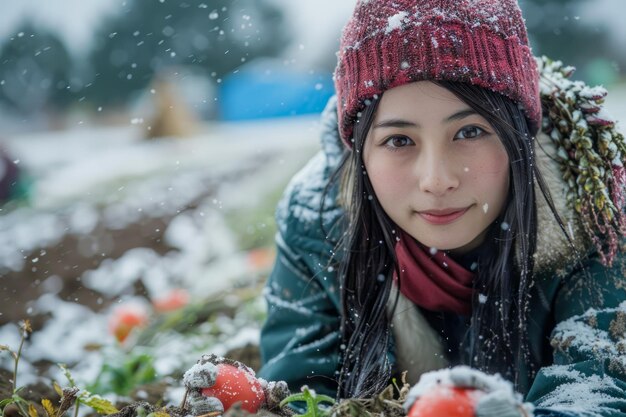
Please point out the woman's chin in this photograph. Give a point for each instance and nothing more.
(452, 245)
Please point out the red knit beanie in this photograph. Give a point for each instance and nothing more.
(388, 43)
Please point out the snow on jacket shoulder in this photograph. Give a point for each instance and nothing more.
(587, 373)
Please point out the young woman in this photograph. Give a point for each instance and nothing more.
(451, 220)
(447, 222)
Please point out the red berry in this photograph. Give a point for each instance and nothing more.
(124, 319)
(446, 401)
(234, 384)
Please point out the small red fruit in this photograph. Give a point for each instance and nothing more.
(124, 319)
(234, 384)
(446, 401)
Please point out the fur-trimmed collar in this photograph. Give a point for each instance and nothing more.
(408, 326)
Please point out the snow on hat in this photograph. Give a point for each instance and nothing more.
(388, 43)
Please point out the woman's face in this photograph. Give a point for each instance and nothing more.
(438, 168)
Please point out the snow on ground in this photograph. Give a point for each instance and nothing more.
(86, 177)
(83, 163)
(79, 169)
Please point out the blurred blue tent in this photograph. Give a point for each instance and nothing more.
(269, 89)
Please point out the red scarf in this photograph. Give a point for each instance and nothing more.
(433, 281)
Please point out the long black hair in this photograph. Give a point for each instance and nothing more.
(497, 338)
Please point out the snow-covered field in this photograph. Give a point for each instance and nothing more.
(90, 185)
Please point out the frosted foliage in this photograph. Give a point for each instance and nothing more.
(549, 83)
(200, 405)
(200, 376)
(591, 92)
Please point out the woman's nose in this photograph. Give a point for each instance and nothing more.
(437, 174)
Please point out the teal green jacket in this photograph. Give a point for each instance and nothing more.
(577, 326)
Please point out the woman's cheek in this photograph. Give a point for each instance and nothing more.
(388, 181)
(490, 179)
(489, 159)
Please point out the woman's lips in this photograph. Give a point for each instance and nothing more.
(440, 217)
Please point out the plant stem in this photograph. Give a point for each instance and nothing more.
(17, 360)
(77, 405)
(184, 402)
(21, 409)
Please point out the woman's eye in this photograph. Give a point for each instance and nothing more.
(470, 132)
(398, 142)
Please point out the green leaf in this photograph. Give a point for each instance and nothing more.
(16, 397)
(312, 400)
(22, 405)
(5, 402)
(100, 405)
(122, 377)
(67, 374)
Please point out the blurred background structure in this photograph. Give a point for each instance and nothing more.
(96, 61)
(144, 145)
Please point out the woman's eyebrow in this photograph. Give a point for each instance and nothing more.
(460, 115)
(395, 123)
